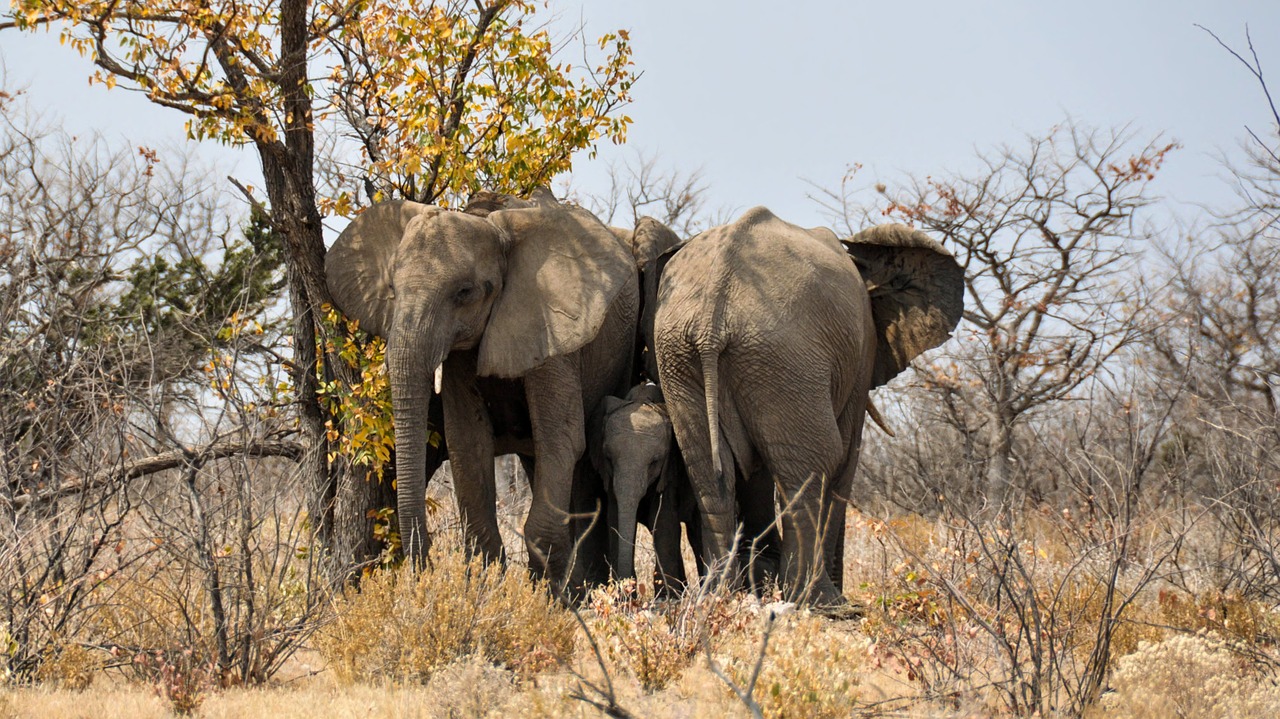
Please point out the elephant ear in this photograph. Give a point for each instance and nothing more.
(917, 293)
(360, 265)
(565, 269)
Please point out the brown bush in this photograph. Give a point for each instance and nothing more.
(812, 668)
(1188, 676)
(405, 625)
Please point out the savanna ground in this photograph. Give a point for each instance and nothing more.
(965, 616)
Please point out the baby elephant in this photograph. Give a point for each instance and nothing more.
(645, 478)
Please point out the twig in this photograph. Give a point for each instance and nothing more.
(161, 462)
(1255, 69)
(607, 702)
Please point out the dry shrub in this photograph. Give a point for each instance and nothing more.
(406, 625)
(913, 531)
(70, 666)
(1021, 611)
(469, 687)
(1227, 614)
(655, 641)
(242, 609)
(647, 644)
(158, 609)
(1190, 677)
(183, 678)
(811, 668)
(1080, 608)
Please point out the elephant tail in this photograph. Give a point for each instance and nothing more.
(711, 385)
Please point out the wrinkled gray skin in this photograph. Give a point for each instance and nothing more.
(768, 337)
(646, 482)
(532, 291)
(648, 241)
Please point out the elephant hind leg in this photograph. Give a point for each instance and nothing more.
(669, 574)
(762, 544)
(803, 452)
(686, 406)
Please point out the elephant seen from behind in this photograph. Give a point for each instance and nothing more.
(768, 338)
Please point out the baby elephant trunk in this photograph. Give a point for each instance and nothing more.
(622, 540)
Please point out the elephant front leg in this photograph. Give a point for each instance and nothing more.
(669, 578)
(470, 430)
(556, 413)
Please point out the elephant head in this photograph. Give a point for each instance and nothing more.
(652, 244)
(637, 457)
(917, 293)
(518, 285)
(649, 239)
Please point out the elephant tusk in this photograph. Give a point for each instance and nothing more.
(439, 377)
(875, 417)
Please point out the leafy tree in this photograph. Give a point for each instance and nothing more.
(442, 97)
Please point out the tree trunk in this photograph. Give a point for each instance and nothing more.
(1000, 463)
(340, 503)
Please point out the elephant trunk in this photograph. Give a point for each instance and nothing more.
(410, 366)
(622, 539)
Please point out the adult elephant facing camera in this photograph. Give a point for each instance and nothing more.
(767, 339)
(542, 294)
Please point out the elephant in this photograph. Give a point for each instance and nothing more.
(644, 475)
(524, 313)
(649, 240)
(768, 338)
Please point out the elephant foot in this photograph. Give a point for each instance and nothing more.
(818, 592)
(488, 552)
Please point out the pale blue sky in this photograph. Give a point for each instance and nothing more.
(765, 95)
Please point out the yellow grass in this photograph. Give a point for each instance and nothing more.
(468, 641)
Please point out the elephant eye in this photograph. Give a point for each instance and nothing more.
(467, 294)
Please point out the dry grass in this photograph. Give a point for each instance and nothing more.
(464, 640)
(812, 668)
(1190, 677)
(404, 627)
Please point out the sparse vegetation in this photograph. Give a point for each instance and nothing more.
(402, 625)
(1079, 515)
